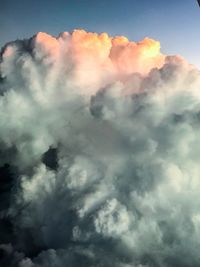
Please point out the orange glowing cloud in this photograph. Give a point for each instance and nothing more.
(130, 57)
(94, 60)
(96, 49)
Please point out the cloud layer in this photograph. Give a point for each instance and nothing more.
(99, 153)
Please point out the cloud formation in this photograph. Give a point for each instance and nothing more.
(99, 153)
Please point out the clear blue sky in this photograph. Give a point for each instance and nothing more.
(175, 23)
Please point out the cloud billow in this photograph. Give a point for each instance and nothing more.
(99, 153)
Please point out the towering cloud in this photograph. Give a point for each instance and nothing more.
(99, 153)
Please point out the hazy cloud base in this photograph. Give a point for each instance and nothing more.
(99, 154)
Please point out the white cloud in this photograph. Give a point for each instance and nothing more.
(124, 122)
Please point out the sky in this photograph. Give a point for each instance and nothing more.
(174, 23)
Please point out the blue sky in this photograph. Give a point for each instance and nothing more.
(175, 23)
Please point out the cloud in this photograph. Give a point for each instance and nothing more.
(99, 153)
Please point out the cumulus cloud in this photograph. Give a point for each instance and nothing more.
(99, 153)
